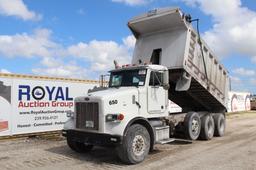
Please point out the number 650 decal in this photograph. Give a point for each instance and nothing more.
(111, 102)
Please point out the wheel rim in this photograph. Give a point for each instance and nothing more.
(138, 145)
(195, 126)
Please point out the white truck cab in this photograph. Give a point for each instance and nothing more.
(135, 94)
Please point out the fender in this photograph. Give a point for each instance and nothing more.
(147, 125)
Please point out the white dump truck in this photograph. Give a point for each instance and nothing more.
(170, 61)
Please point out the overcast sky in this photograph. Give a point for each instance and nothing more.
(81, 38)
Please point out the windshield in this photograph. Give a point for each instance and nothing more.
(128, 78)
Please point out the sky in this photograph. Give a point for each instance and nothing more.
(81, 38)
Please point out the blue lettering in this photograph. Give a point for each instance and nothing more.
(50, 92)
(67, 94)
(25, 93)
(59, 94)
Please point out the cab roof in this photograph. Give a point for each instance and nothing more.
(133, 67)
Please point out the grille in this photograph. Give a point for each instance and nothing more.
(87, 116)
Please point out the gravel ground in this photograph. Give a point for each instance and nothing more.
(236, 150)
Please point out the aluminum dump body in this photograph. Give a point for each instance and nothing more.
(198, 82)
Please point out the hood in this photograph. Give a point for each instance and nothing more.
(110, 93)
(113, 92)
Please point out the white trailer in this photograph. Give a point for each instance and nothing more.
(170, 61)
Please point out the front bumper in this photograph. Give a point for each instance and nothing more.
(92, 138)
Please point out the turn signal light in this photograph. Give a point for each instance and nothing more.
(120, 117)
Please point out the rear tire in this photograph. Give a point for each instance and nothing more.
(220, 124)
(135, 146)
(79, 146)
(192, 124)
(207, 128)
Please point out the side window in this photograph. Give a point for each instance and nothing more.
(156, 79)
(116, 80)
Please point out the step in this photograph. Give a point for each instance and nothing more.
(169, 140)
(164, 141)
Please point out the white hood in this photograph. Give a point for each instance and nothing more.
(111, 93)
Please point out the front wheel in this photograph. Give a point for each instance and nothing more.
(135, 146)
(78, 146)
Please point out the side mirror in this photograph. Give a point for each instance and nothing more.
(166, 86)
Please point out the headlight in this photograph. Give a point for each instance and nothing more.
(114, 117)
(70, 114)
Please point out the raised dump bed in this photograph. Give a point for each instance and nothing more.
(197, 80)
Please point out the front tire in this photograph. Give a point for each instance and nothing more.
(79, 146)
(135, 146)
(207, 129)
(192, 124)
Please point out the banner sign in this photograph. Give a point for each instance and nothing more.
(239, 101)
(33, 105)
(5, 106)
(174, 108)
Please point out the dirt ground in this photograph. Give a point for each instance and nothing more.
(236, 150)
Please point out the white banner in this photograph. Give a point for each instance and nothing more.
(174, 108)
(5, 106)
(239, 101)
(33, 105)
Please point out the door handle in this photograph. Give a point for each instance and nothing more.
(138, 104)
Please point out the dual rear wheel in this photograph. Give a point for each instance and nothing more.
(204, 127)
(220, 124)
(208, 127)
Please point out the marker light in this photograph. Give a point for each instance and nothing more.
(114, 117)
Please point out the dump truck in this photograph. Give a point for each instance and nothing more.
(170, 62)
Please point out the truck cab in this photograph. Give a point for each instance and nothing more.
(133, 91)
(136, 93)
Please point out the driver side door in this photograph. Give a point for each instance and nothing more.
(156, 93)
